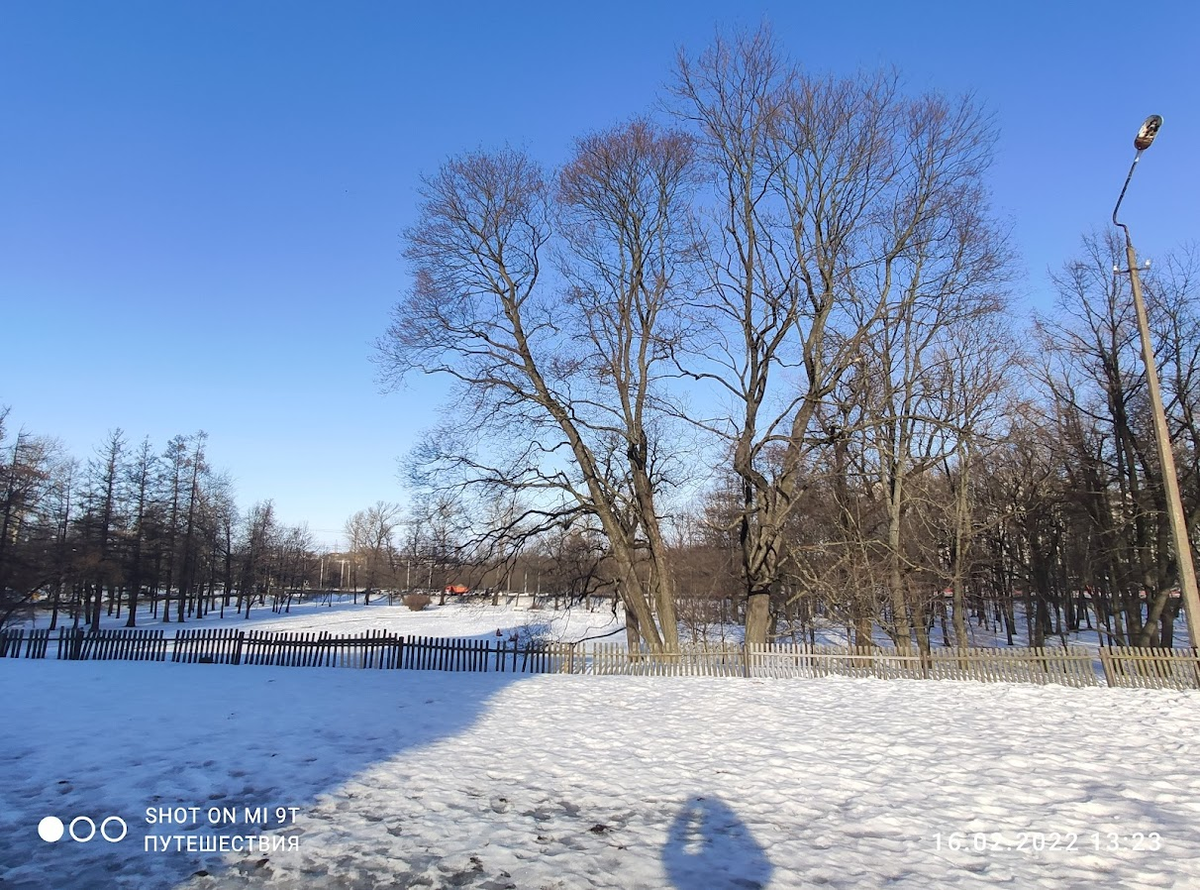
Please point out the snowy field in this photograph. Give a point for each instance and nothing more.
(403, 779)
(476, 617)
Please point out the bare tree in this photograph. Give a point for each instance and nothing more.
(371, 533)
(140, 478)
(28, 557)
(261, 532)
(100, 521)
(561, 388)
(982, 404)
(197, 472)
(842, 209)
(1096, 385)
(225, 521)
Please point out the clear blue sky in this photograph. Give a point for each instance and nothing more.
(201, 202)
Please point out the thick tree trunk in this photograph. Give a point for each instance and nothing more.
(758, 615)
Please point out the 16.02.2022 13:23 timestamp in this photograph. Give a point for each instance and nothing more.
(1030, 842)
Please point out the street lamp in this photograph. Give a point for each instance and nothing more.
(1162, 437)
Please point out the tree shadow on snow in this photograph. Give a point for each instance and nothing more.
(709, 848)
(87, 739)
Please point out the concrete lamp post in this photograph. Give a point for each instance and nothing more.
(1162, 437)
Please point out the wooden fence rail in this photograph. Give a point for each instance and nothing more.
(1073, 666)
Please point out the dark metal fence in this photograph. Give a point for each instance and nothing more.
(375, 649)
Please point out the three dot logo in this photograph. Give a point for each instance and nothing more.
(82, 829)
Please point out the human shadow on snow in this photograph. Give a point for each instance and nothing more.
(709, 848)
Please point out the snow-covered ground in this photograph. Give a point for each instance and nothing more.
(418, 779)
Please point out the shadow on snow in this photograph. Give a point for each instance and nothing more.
(118, 739)
(709, 848)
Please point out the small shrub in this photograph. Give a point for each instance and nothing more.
(417, 601)
(532, 635)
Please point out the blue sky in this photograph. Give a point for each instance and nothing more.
(201, 202)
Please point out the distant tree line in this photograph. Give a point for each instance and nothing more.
(135, 534)
(440, 542)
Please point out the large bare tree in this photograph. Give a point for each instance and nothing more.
(560, 375)
(843, 211)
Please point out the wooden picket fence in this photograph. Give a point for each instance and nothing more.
(1072, 666)
(429, 653)
(1152, 668)
(713, 661)
(127, 644)
(787, 660)
(376, 649)
(208, 646)
(34, 642)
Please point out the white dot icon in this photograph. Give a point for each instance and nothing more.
(51, 829)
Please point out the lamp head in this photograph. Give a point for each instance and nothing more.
(1147, 133)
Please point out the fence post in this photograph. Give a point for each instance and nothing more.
(1106, 661)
